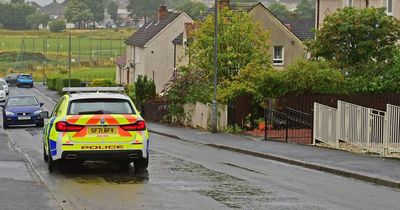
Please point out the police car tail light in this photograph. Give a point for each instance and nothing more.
(138, 126)
(66, 127)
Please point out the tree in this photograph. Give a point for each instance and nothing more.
(13, 16)
(17, 1)
(96, 8)
(35, 19)
(57, 25)
(362, 42)
(279, 10)
(306, 9)
(236, 59)
(77, 12)
(194, 9)
(112, 9)
(143, 9)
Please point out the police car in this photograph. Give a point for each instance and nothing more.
(95, 124)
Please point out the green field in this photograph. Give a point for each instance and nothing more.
(84, 73)
(86, 45)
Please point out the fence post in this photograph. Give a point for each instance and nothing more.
(369, 129)
(386, 130)
(287, 126)
(338, 122)
(314, 122)
(266, 124)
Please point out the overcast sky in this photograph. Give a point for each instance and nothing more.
(45, 2)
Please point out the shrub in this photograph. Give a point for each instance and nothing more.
(57, 26)
(314, 77)
(145, 89)
(102, 83)
(61, 83)
(51, 83)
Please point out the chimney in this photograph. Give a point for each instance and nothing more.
(162, 12)
(222, 4)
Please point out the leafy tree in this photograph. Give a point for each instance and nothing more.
(17, 1)
(194, 9)
(361, 42)
(306, 9)
(143, 9)
(96, 8)
(13, 16)
(57, 25)
(279, 10)
(35, 19)
(233, 55)
(112, 9)
(236, 60)
(77, 12)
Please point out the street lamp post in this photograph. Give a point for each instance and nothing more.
(214, 101)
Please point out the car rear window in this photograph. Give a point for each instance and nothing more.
(25, 76)
(22, 101)
(100, 106)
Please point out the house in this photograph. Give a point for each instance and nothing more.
(150, 50)
(55, 10)
(287, 36)
(327, 7)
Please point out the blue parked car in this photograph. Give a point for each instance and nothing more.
(25, 80)
(23, 110)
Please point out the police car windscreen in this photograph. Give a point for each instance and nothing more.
(100, 106)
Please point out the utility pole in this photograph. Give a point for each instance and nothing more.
(214, 101)
(69, 61)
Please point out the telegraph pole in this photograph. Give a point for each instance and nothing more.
(69, 61)
(214, 101)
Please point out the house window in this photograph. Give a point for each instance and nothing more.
(137, 54)
(348, 3)
(389, 7)
(278, 55)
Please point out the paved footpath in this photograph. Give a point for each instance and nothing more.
(370, 168)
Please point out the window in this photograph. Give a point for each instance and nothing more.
(137, 54)
(278, 55)
(57, 109)
(100, 106)
(389, 7)
(348, 3)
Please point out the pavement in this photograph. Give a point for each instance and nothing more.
(365, 167)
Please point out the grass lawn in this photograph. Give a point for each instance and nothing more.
(103, 43)
(84, 73)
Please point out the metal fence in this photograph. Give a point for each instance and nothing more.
(325, 125)
(392, 131)
(375, 130)
(290, 126)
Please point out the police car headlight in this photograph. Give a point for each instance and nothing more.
(10, 113)
(37, 112)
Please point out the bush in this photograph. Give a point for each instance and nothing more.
(61, 83)
(102, 83)
(314, 77)
(51, 83)
(145, 89)
(57, 25)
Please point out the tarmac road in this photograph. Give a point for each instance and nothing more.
(181, 175)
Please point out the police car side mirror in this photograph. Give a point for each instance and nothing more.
(44, 114)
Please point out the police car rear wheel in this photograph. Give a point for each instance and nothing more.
(45, 156)
(50, 163)
(141, 163)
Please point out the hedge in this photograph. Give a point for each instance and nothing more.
(102, 83)
(51, 83)
(61, 83)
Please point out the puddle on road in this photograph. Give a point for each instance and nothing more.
(229, 190)
(177, 174)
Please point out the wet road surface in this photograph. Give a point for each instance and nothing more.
(185, 175)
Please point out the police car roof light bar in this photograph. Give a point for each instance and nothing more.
(92, 89)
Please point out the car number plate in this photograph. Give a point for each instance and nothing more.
(24, 118)
(102, 130)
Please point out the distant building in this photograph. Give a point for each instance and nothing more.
(55, 10)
